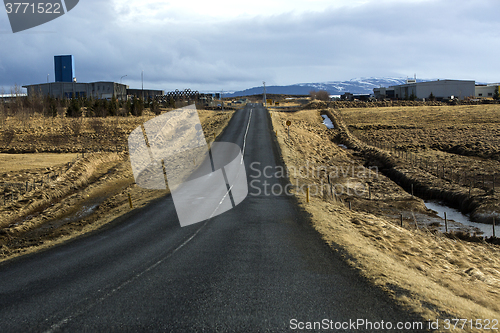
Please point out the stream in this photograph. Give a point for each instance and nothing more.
(455, 215)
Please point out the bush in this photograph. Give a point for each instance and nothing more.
(74, 108)
(137, 107)
(321, 95)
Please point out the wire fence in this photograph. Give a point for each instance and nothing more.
(463, 176)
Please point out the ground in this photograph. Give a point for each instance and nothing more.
(436, 276)
(48, 198)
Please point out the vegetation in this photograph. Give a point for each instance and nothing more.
(321, 95)
(496, 96)
(25, 107)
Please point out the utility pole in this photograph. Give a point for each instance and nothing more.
(48, 78)
(222, 99)
(142, 80)
(264, 101)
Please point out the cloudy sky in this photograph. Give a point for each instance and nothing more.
(214, 45)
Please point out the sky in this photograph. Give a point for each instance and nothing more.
(220, 45)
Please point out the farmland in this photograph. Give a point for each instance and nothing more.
(373, 220)
(63, 177)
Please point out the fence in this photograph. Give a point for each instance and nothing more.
(471, 178)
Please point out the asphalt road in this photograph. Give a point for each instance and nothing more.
(254, 268)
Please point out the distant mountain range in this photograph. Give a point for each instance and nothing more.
(355, 86)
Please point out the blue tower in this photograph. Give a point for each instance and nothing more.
(64, 67)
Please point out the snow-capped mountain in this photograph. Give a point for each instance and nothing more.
(355, 86)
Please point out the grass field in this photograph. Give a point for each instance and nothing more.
(18, 162)
(470, 130)
(45, 201)
(433, 275)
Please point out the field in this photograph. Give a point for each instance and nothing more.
(439, 276)
(63, 177)
(458, 144)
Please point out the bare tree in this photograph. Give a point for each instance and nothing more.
(321, 95)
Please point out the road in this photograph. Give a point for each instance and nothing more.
(252, 269)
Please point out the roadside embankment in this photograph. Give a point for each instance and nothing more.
(425, 272)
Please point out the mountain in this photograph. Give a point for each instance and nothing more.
(355, 86)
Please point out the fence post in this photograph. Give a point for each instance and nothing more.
(130, 201)
(412, 191)
(445, 223)
(401, 216)
(493, 183)
(307, 194)
(494, 236)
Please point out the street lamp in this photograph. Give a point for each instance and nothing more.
(122, 78)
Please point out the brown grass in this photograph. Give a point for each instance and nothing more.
(37, 220)
(432, 275)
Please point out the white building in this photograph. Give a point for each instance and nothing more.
(440, 89)
(487, 91)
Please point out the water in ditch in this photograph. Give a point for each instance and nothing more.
(327, 121)
(456, 216)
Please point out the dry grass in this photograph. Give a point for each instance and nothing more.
(44, 218)
(432, 275)
(471, 130)
(10, 163)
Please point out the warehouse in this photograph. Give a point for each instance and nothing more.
(440, 89)
(98, 90)
(487, 91)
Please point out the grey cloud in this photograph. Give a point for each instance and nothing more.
(434, 39)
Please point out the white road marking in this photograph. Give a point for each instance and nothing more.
(241, 162)
(61, 323)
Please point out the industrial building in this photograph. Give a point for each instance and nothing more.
(98, 90)
(64, 66)
(66, 86)
(144, 93)
(487, 91)
(440, 89)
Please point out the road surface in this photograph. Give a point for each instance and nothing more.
(255, 268)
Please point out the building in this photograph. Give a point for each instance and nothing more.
(146, 93)
(7, 98)
(97, 90)
(383, 93)
(64, 67)
(440, 89)
(487, 91)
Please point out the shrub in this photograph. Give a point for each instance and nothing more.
(321, 95)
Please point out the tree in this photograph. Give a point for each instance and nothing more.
(321, 95)
(74, 108)
(128, 107)
(413, 96)
(137, 107)
(112, 106)
(496, 95)
(155, 107)
(51, 105)
(432, 97)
